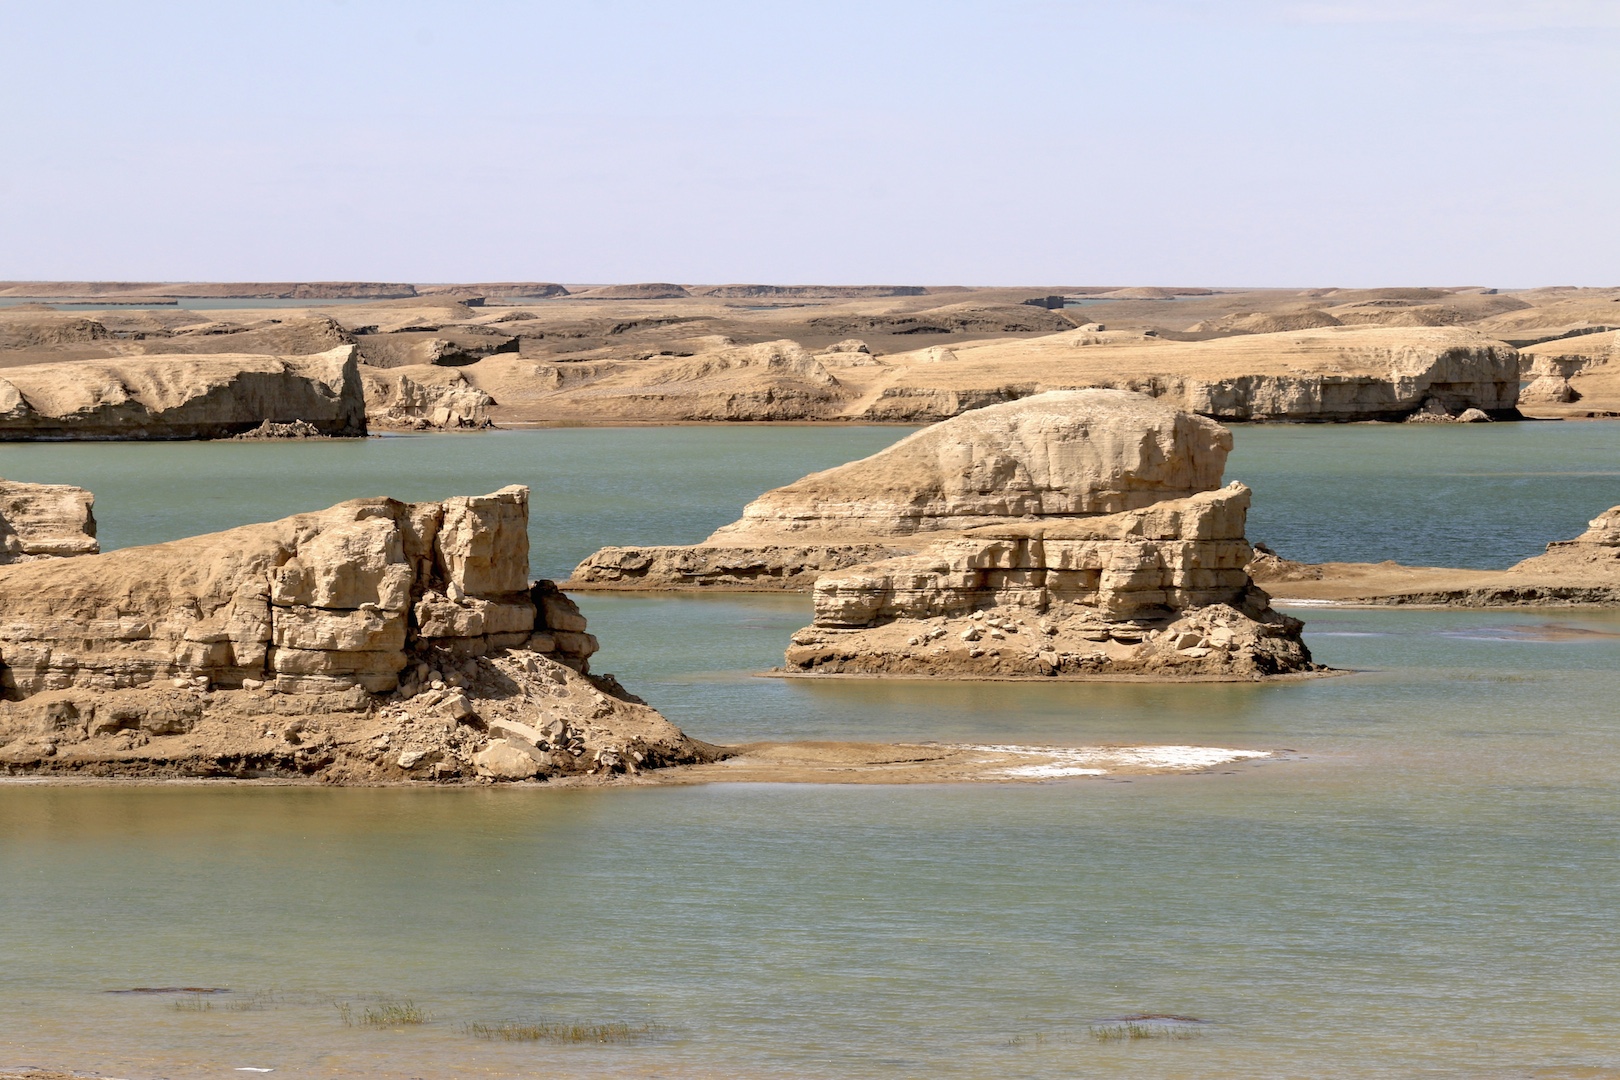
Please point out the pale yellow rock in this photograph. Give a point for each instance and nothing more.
(318, 600)
(1160, 589)
(1075, 452)
(503, 759)
(45, 521)
(182, 396)
(484, 541)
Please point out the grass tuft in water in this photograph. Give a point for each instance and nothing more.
(387, 1014)
(619, 1033)
(1135, 1030)
(193, 1003)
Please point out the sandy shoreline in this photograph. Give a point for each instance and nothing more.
(819, 762)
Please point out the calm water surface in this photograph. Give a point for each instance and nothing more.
(1425, 883)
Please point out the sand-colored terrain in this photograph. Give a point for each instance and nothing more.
(682, 352)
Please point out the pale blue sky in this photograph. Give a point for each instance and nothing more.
(1245, 143)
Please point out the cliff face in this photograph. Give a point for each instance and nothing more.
(1331, 374)
(39, 521)
(406, 634)
(182, 397)
(434, 400)
(1157, 592)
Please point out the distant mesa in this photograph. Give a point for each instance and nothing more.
(211, 290)
(505, 290)
(652, 290)
(805, 292)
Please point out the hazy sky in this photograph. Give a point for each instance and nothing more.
(1131, 141)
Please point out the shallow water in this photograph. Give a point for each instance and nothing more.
(1423, 881)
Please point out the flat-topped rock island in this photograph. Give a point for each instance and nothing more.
(1079, 532)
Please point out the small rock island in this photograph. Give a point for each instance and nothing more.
(1078, 533)
(371, 642)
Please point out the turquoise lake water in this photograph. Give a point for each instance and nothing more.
(1424, 881)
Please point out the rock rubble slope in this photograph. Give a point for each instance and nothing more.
(375, 640)
(182, 396)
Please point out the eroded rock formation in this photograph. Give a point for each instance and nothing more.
(181, 396)
(434, 400)
(393, 637)
(1078, 532)
(43, 521)
(1159, 591)
(1061, 454)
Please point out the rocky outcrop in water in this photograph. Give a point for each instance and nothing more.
(45, 521)
(1158, 592)
(370, 641)
(1074, 533)
(182, 396)
(1061, 454)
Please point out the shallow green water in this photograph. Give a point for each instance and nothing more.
(1424, 882)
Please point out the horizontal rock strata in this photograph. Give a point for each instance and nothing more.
(371, 641)
(767, 568)
(182, 396)
(43, 521)
(1159, 591)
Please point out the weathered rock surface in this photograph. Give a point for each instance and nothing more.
(1159, 591)
(181, 396)
(420, 399)
(1062, 454)
(374, 640)
(42, 521)
(1318, 375)
(724, 567)
(1094, 513)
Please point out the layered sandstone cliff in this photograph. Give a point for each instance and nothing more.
(1160, 592)
(424, 399)
(1312, 374)
(182, 396)
(396, 637)
(43, 521)
(1326, 374)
